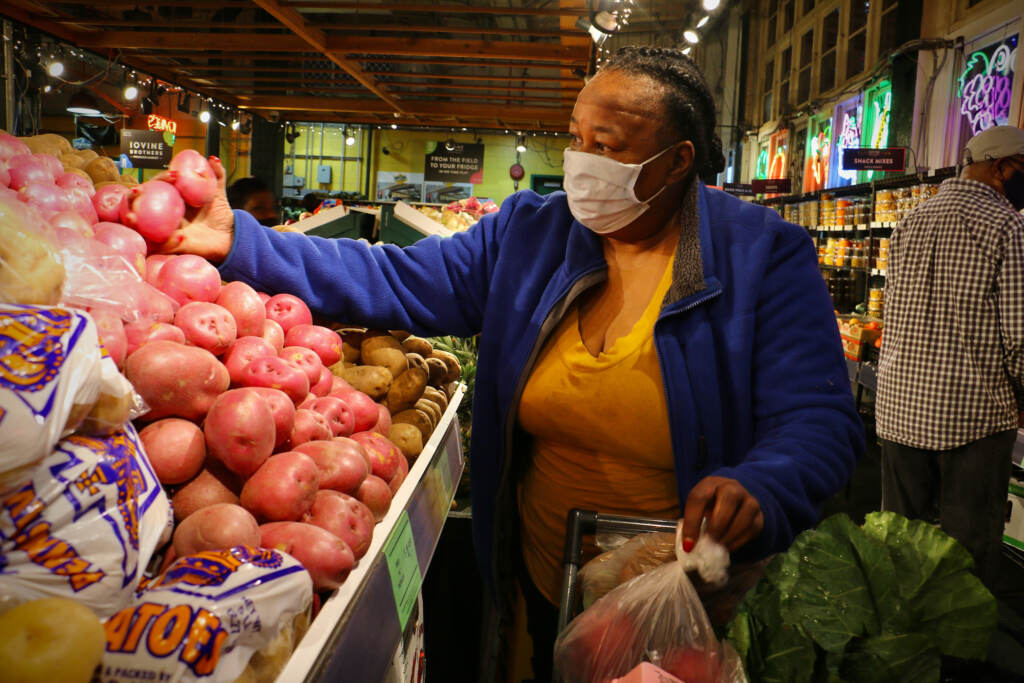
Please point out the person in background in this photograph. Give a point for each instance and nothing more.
(648, 346)
(310, 203)
(254, 197)
(951, 371)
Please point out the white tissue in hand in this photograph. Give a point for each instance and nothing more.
(709, 558)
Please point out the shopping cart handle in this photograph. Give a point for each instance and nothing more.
(579, 524)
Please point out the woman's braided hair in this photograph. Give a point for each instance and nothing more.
(688, 100)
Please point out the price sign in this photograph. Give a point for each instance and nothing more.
(404, 568)
(771, 186)
(738, 188)
(870, 159)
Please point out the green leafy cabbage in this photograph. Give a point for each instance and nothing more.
(872, 603)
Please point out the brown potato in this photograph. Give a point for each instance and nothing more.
(372, 380)
(408, 438)
(416, 418)
(128, 180)
(384, 350)
(437, 396)
(349, 352)
(406, 390)
(400, 335)
(102, 169)
(431, 409)
(438, 371)
(73, 160)
(417, 361)
(108, 414)
(418, 345)
(77, 171)
(454, 369)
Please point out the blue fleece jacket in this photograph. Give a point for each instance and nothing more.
(754, 374)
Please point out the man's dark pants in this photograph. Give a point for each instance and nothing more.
(964, 489)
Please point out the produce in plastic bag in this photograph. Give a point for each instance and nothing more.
(53, 376)
(49, 640)
(85, 527)
(212, 616)
(31, 271)
(656, 617)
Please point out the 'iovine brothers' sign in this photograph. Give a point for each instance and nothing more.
(986, 85)
(146, 148)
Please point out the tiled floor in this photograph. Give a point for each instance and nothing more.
(1006, 655)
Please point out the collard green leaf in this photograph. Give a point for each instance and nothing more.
(888, 658)
(834, 597)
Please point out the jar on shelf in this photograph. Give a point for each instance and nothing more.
(876, 294)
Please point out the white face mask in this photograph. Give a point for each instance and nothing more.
(602, 191)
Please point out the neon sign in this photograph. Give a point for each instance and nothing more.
(986, 85)
(762, 164)
(778, 154)
(849, 138)
(156, 122)
(819, 150)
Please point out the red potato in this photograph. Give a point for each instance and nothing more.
(74, 181)
(264, 297)
(187, 278)
(327, 558)
(325, 342)
(357, 448)
(360, 509)
(342, 463)
(335, 512)
(81, 203)
(72, 220)
(176, 380)
(207, 326)
(242, 352)
(244, 304)
(385, 458)
(46, 197)
(364, 409)
(154, 208)
(322, 387)
(338, 385)
(383, 426)
(282, 408)
(288, 311)
(107, 202)
(396, 481)
(125, 241)
(339, 416)
(375, 494)
(144, 331)
(176, 449)
(26, 169)
(274, 335)
(309, 426)
(154, 305)
(154, 263)
(212, 485)
(307, 402)
(240, 431)
(305, 360)
(283, 488)
(276, 373)
(216, 527)
(112, 334)
(193, 177)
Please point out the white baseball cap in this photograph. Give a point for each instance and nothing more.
(995, 143)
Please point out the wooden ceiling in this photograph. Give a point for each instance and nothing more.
(481, 63)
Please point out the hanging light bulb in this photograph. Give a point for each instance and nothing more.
(520, 144)
(47, 88)
(131, 92)
(349, 139)
(394, 126)
(712, 5)
(55, 69)
(700, 24)
(204, 116)
(687, 51)
(691, 36)
(235, 124)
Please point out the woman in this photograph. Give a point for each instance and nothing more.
(648, 346)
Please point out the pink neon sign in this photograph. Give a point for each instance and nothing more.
(986, 86)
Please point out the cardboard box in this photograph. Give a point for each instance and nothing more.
(1013, 532)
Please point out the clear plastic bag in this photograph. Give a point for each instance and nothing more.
(31, 271)
(656, 617)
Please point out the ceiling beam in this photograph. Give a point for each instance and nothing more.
(354, 45)
(318, 57)
(435, 9)
(474, 77)
(296, 103)
(316, 37)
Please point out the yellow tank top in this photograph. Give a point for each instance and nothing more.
(601, 438)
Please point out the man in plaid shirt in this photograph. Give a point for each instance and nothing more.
(951, 373)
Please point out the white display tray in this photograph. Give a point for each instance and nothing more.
(357, 631)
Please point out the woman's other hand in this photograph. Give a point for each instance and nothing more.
(206, 231)
(734, 516)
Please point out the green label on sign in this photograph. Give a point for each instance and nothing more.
(400, 551)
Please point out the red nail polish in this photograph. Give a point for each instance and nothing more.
(687, 545)
(217, 159)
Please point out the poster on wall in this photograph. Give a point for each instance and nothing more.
(985, 88)
(454, 162)
(846, 134)
(443, 193)
(397, 186)
(146, 148)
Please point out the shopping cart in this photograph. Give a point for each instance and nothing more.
(582, 523)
